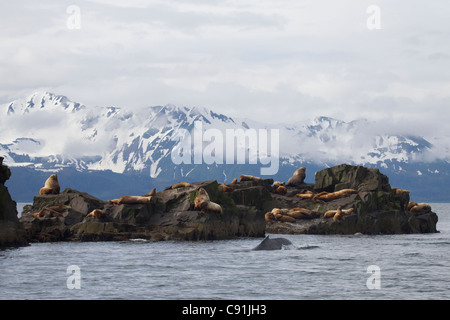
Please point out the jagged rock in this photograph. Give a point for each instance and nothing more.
(11, 231)
(170, 215)
(351, 177)
(377, 208)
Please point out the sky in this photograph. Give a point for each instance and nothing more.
(272, 61)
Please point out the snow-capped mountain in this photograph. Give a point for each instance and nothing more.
(50, 133)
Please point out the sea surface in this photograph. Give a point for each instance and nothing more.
(415, 266)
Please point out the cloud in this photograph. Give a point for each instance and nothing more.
(272, 60)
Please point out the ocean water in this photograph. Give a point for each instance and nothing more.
(415, 266)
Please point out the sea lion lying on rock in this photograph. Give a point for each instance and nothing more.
(400, 192)
(289, 215)
(203, 203)
(306, 195)
(96, 213)
(420, 208)
(330, 196)
(46, 213)
(332, 213)
(51, 186)
(225, 188)
(150, 194)
(244, 177)
(132, 200)
(297, 178)
(282, 190)
(178, 185)
(301, 213)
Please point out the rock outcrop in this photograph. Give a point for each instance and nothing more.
(375, 207)
(344, 200)
(11, 231)
(169, 215)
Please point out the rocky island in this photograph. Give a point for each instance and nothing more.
(11, 231)
(344, 199)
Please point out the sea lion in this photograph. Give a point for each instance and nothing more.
(421, 208)
(46, 213)
(96, 213)
(301, 213)
(411, 204)
(297, 178)
(276, 184)
(178, 185)
(132, 200)
(283, 218)
(306, 195)
(212, 206)
(269, 217)
(400, 192)
(225, 188)
(201, 199)
(235, 181)
(338, 215)
(150, 194)
(282, 190)
(51, 186)
(325, 196)
(203, 202)
(279, 211)
(331, 213)
(244, 177)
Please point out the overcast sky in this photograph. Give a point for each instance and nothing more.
(278, 60)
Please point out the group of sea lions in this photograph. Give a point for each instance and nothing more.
(291, 215)
(203, 203)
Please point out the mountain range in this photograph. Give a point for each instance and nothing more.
(110, 151)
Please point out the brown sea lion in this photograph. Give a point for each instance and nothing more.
(201, 199)
(280, 211)
(412, 204)
(282, 190)
(301, 213)
(400, 192)
(305, 195)
(325, 196)
(269, 217)
(225, 188)
(51, 186)
(178, 185)
(297, 178)
(212, 206)
(283, 218)
(96, 213)
(203, 202)
(132, 200)
(276, 184)
(235, 181)
(46, 213)
(331, 213)
(150, 194)
(421, 208)
(338, 215)
(244, 177)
